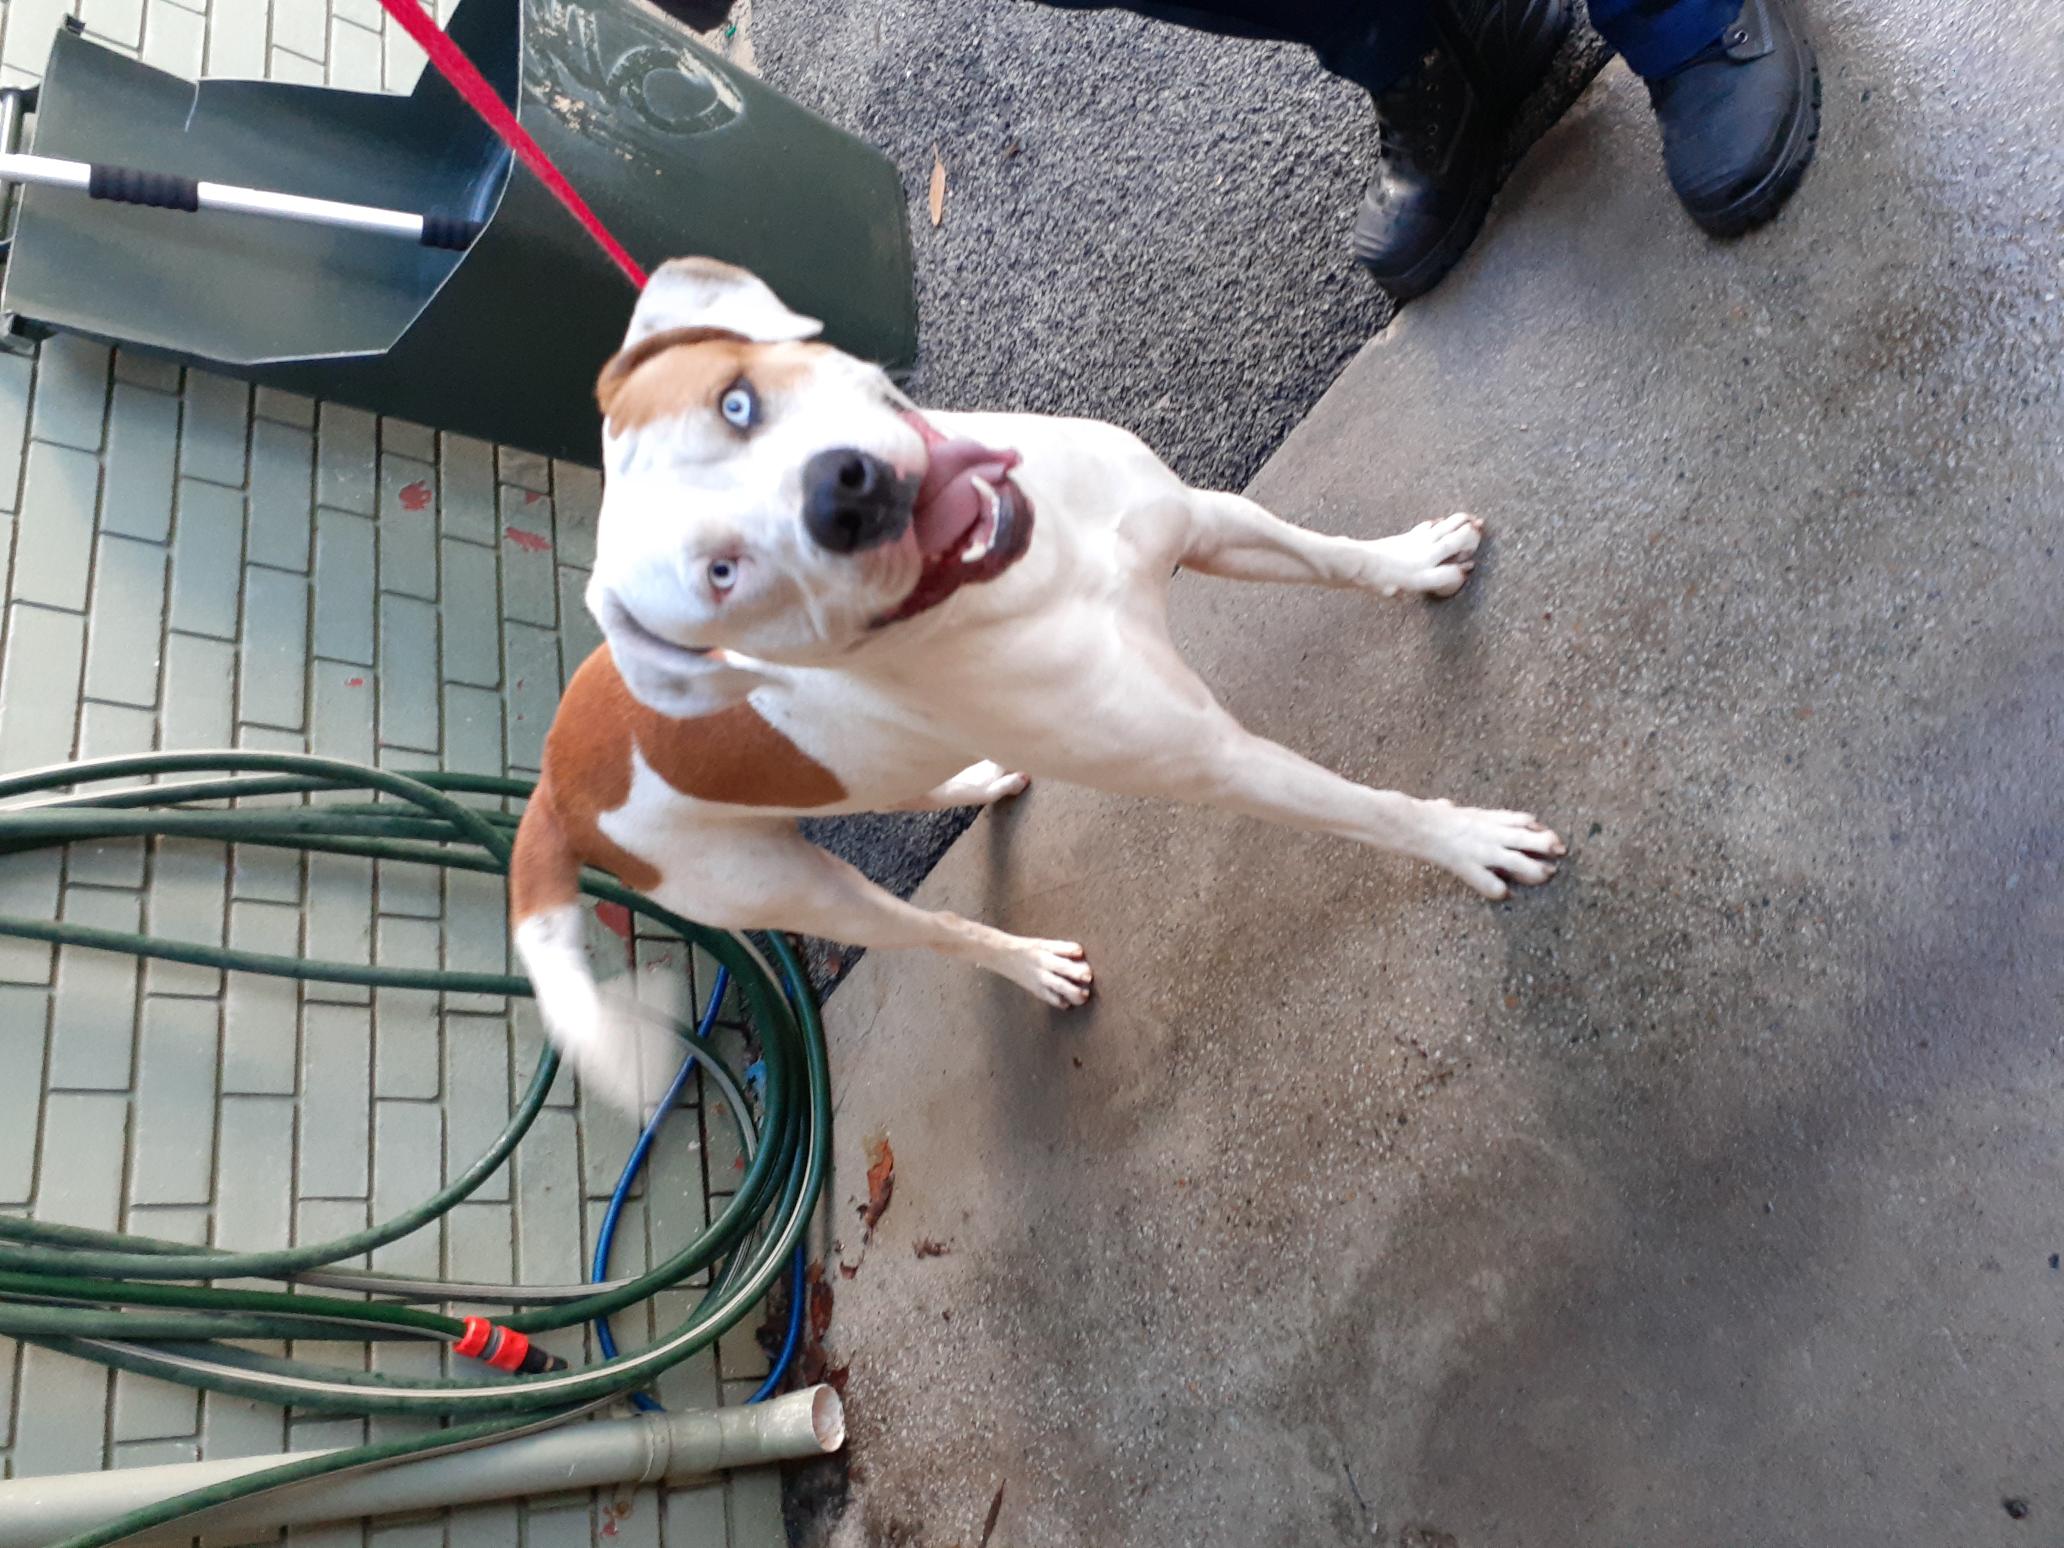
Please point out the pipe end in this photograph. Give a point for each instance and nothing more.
(828, 1418)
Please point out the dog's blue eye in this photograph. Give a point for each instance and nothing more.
(740, 406)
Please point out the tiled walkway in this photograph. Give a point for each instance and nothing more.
(189, 564)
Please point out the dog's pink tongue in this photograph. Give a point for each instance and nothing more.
(948, 503)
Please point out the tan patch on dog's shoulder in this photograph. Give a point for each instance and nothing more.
(688, 370)
(734, 756)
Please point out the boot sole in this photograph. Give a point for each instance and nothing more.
(1548, 25)
(1802, 138)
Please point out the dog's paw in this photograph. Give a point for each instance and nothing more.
(1495, 851)
(1053, 971)
(632, 1052)
(992, 782)
(1434, 559)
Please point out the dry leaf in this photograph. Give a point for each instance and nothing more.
(938, 186)
(881, 1183)
(926, 1247)
(989, 1522)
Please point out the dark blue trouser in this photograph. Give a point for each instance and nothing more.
(1374, 42)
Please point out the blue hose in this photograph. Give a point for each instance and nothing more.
(605, 1238)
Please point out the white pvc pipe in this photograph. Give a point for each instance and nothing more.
(649, 1448)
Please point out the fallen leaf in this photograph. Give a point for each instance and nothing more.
(615, 918)
(881, 1184)
(938, 186)
(819, 1305)
(847, 1270)
(989, 1523)
(925, 1247)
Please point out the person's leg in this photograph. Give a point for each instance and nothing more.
(1737, 93)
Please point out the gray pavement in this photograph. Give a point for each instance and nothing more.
(1711, 1195)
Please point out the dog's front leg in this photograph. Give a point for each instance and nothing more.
(766, 876)
(1232, 537)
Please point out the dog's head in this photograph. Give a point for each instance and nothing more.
(772, 497)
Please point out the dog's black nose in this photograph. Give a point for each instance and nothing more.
(852, 500)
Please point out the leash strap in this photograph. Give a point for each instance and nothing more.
(459, 71)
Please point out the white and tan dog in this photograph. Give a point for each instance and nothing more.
(818, 599)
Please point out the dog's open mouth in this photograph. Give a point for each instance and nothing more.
(970, 521)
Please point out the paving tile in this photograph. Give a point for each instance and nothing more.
(186, 902)
(211, 442)
(346, 448)
(527, 1037)
(30, 25)
(356, 58)
(24, 1034)
(530, 584)
(531, 670)
(495, 1526)
(403, 63)
(548, 1201)
(692, 1384)
(476, 1102)
(398, 437)
(28, 887)
(579, 635)
(236, 38)
(71, 392)
(143, 442)
(526, 470)
(39, 684)
(336, 1072)
(241, 1427)
(407, 1057)
(114, 21)
(283, 65)
(756, 1508)
(200, 685)
(282, 495)
(17, 375)
(341, 720)
(254, 1172)
(340, 920)
(69, 1399)
(207, 559)
(480, 1234)
(55, 544)
(174, 39)
(344, 587)
(471, 616)
(299, 25)
(273, 670)
(107, 731)
(138, 367)
(467, 486)
(328, 1220)
(146, 1409)
(408, 1161)
(472, 730)
(694, 1515)
(93, 1011)
(577, 508)
(408, 680)
(174, 1146)
(408, 527)
(289, 408)
(476, 934)
(123, 629)
(259, 1011)
(80, 1180)
(153, 1453)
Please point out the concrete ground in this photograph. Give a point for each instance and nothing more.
(1710, 1195)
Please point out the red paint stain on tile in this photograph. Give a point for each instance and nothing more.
(615, 918)
(529, 541)
(416, 496)
(354, 682)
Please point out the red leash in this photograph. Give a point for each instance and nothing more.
(469, 83)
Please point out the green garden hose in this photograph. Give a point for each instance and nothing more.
(151, 1306)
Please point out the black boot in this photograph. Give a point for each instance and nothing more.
(1740, 120)
(1441, 131)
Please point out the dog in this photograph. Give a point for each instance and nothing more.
(816, 598)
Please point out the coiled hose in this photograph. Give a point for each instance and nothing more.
(156, 1307)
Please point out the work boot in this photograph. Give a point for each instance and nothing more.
(1440, 133)
(1739, 121)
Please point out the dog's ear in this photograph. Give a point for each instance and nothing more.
(681, 683)
(703, 293)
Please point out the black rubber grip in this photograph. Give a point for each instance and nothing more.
(453, 231)
(160, 190)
